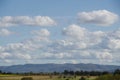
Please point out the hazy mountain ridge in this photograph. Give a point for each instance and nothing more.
(57, 67)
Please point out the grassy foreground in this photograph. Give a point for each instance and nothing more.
(40, 77)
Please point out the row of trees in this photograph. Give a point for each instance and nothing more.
(85, 73)
(67, 72)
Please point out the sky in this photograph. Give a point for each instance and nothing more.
(59, 31)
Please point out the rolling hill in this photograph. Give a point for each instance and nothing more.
(57, 67)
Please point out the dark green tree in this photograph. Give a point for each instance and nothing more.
(66, 72)
(71, 72)
(117, 71)
(0, 71)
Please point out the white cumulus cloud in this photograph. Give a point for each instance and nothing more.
(4, 55)
(7, 21)
(100, 17)
(40, 35)
(114, 43)
(75, 31)
(42, 32)
(5, 32)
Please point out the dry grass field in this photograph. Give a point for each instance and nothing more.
(40, 77)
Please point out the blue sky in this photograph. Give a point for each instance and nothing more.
(65, 31)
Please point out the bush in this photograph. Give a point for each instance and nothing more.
(27, 78)
(67, 79)
(82, 78)
(64, 76)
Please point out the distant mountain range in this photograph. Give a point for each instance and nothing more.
(57, 67)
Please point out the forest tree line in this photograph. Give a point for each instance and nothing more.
(67, 72)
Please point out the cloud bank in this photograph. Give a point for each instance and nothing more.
(75, 44)
(79, 45)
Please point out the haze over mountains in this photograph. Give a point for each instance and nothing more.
(57, 67)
